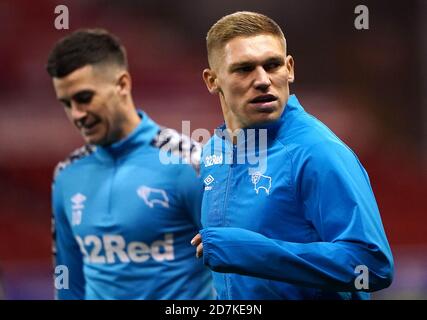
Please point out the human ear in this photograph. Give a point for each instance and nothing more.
(211, 81)
(289, 62)
(124, 83)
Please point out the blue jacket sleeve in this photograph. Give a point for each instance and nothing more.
(190, 187)
(335, 196)
(66, 253)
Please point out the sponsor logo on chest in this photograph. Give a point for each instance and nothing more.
(113, 248)
(212, 160)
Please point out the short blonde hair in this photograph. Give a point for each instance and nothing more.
(241, 23)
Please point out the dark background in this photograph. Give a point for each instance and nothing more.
(368, 86)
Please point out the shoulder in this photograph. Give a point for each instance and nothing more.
(179, 145)
(330, 161)
(312, 147)
(304, 128)
(307, 135)
(72, 158)
(328, 150)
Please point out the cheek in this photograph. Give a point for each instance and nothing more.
(106, 106)
(282, 79)
(281, 85)
(235, 90)
(68, 114)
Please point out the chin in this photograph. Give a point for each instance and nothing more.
(266, 118)
(92, 141)
(96, 139)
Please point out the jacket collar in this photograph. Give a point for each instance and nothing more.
(292, 106)
(142, 135)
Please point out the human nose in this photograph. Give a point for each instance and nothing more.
(262, 79)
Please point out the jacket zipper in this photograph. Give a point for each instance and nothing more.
(224, 206)
(226, 278)
(110, 196)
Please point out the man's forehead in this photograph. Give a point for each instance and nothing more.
(253, 47)
(89, 77)
(75, 78)
(243, 49)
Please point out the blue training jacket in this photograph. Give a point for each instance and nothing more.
(302, 225)
(123, 220)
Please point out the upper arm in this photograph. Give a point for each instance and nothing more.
(190, 187)
(336, 195)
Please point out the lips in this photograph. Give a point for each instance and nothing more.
(87, 123)
(264, 98)
(91, 124)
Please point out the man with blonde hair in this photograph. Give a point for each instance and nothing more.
(306, 224)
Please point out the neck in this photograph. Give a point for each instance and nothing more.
(231, 126)
(131, 119)
(230, 120)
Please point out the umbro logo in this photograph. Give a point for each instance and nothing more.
(78, 199)
(77, 207)
(208, 180)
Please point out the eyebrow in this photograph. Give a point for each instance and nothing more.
(237, 65)
(66, 100)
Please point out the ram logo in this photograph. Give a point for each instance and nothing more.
(261, 182)
(153, 196)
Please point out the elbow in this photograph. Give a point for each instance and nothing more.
(383, 273)
(377, 271)
(385, 276)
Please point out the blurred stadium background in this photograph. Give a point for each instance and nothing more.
(369, 86)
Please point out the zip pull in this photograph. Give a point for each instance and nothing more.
(234, 155)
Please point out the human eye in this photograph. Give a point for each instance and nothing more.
(273, 65)
(84, 97)
(246, 69)
(65, 103)
(243, 69)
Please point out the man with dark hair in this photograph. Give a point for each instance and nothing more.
(302, 225)
(122, 218)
